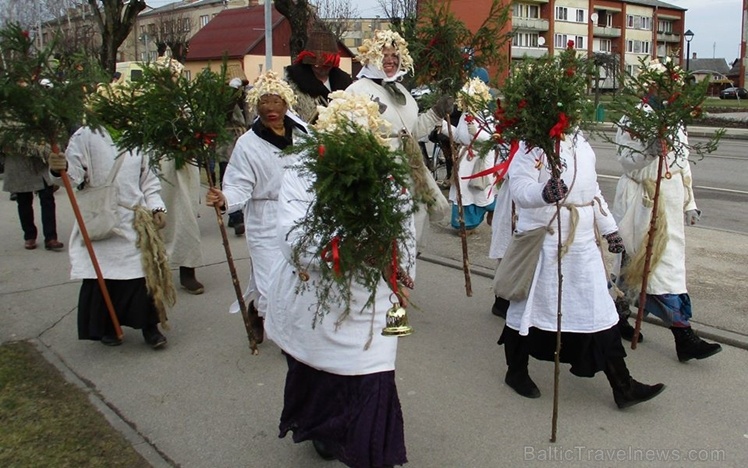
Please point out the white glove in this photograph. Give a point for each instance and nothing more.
(692, 217)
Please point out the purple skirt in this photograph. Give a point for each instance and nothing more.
(359, 417)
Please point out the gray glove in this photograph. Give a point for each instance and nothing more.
(444, 106)
(57, 162)
(692, 217)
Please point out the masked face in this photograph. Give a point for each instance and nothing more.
(271, 108)
(390, 61)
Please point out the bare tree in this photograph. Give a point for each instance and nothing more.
(336, 14)
(173, 31)
(115, 20)
(399, 9)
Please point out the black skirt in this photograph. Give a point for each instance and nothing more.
(131, 301)
(586, 352)
(359, 418)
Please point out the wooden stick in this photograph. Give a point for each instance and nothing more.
(460, 211)
(89, 247)
(650, 245)
(556, 172)
(232, 269)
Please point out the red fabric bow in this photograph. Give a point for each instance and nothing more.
(500, 169)
(331, 253)
(558, 130)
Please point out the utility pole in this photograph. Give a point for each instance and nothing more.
(269, 35)
(744, 38)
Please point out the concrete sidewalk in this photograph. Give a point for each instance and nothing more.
(205, 401)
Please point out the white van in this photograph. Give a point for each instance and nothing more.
(129, 71)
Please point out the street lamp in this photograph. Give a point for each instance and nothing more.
(689, 36)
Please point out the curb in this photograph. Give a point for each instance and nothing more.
(141, 445)
(719, 335)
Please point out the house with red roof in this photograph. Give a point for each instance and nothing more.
(239, 35)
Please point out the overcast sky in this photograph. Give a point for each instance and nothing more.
(716, 24)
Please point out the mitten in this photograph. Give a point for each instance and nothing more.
(692, 217)
(554, 190)
(444, 106)
(57, 162)
(615, 242)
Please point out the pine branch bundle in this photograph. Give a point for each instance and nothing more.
(42, 93)
(361, 208)
(544, 100)
(659, 102)
(168, 115)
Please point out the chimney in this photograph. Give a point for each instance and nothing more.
(694, 56)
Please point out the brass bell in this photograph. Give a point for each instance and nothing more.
(397, 322)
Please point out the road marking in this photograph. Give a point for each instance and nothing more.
(700, 187)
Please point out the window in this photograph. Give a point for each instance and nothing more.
(608, 20)
(606, 45)
(639, 22)
(562, 13)
(646, 23)
(525, 40)
(665, 27)
(560, 41)
(581, 16)
(187, 74)
(631, 69)
(522, 10)
(638, 47)
(204, 20)
(580, 42)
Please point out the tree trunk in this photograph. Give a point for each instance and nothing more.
(297, 13)
(115, 21)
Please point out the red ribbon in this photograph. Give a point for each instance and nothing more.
(558, 130)
(500, 169)
(331, 253)
(328, 59)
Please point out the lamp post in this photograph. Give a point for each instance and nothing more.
(689, 36)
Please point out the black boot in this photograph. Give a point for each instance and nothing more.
(500, 306)
(627, 391)
(517, 358)
(624, 327)
(322, 450)
(189, 282)
(689, 346)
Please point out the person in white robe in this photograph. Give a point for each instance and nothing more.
(386, 61)
(88, 160)
(667, 293)
(252, 180)
(340, 389)
(180, 190)
(590, 338)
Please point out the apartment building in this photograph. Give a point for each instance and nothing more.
(357, 30)
(621, 31)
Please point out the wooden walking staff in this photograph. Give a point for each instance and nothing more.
(89, 247)
(232, 269)
(556, 173)
(460, 210)
(650, 244)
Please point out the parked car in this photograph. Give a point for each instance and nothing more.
(733, 93)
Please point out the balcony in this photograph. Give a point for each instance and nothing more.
(532, 52)
(604, 31)
(668, 37)
(531, 24)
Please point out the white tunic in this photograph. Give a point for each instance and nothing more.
(251, 182)
(406, 117)
(633, 214)
(338, 350)
(501, 226)
(586, 305)
(180, 190)
(90, 156)
(462, 135)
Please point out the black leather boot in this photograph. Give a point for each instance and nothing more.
(189, 282)
(624, 327)
(517, 359)
(689, 346)
(627, 391)
(500, 306)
